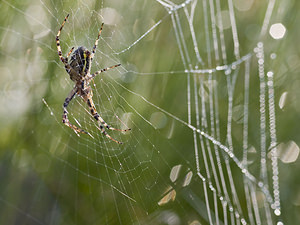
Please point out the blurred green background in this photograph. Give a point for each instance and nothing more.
(48, 175)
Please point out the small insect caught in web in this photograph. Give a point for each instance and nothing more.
(79, 69)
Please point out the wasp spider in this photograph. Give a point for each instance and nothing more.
(79, 69)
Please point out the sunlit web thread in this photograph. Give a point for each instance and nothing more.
(215, 132)
(215, 124)
(172, 6)
(236, 44)
(221, 32)
(140, 38)
(203, 142)
(190, 19)
(187, 65)
(231, 80)
(248, 186)
(213, 29)
(235, 198)
(224, 148)
(200, 71)
(262, 100)
(29, 16)
(88, 159)
(171, 11)
(188, 71)
(93, 177)
(273, 144)
(267, 18)
(234, 30)
(215, 135)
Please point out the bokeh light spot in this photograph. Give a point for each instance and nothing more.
(277, 31)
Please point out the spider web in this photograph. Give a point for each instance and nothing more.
(197, 90)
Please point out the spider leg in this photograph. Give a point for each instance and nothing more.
(102, 124)
(64, 60)
(65, 119)
(91, 76)
(69, 53)
(92, 56)
(58, 42)
(96, 43)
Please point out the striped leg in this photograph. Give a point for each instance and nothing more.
(69, 53)
(58, 43)
(102, 124)
(69, 69)
(91, 56)
(65, 119)
(96, 43)
(91, 76)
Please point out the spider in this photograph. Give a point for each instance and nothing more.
(79, 69)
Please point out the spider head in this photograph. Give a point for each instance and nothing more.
(80, 60)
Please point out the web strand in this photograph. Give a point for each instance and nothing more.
(190, 112)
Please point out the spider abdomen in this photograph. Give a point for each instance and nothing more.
(80, 62)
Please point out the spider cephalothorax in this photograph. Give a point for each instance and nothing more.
(79, 68)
